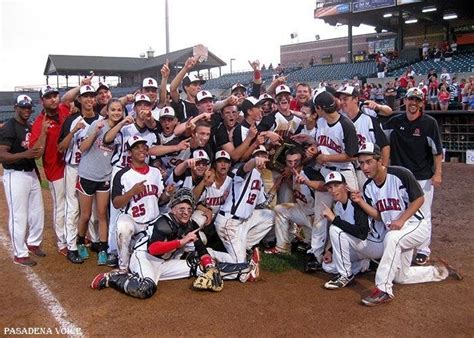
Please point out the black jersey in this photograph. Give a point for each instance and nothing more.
(184, 109)
(16, 136)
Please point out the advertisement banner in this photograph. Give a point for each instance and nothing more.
(368, 5)
(332, 10)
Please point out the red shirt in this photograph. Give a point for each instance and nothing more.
(295, 105)
(53, 160)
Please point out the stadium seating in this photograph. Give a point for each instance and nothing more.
(458, 64)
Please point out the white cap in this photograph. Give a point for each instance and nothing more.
(24, 101)
(203, 94)
(265, 97)
(222, 154)
(200, 154)
(149, 82)
(369, 148)
(133, 140)
(260, 149)
(348, 90)
(236, 86)
(102, 85)
(167, 111)
(282, 89)
(334, 176)
(48, 90)
(142, 97)
(190, 78)
(86, 89)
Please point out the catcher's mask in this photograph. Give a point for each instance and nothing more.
(182, 195)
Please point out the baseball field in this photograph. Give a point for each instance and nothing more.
(54, 297)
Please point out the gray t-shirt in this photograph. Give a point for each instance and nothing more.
(95, 163)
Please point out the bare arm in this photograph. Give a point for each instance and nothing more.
(71, 94)
(7, 157)
(64, 144)
(190, 62)
(436, 179)
(165, 74)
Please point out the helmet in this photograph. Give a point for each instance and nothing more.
(182, 195)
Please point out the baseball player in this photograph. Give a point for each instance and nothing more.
(73, 131)
(393, 196)
(416, 144)
(50, 120)
(240, 224)
(136, 191)
(21, 184)
(301, 212)
(150, 89)
(355, 239)
(158, 255)
(367, 127)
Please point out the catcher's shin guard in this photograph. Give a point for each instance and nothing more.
(132, 285)
(233, 270)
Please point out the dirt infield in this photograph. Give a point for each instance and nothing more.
(287, 304)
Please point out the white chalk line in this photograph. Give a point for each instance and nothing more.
(54, 306)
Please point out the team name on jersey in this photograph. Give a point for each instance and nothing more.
(326, 141)
(387, 204)
(361, 139)
(299, 196)
(102, 146)
(215, 201)
(150, 190)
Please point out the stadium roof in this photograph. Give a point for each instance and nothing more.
(110, 65)
(409, 8)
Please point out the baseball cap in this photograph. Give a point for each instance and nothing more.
(167, 111)
(322, 98)
(24, 101)
(237, 86)
(203, 94)
(102, 85)
(47, 90)
(142, 97)
(222, 154)
(200, 154)
(348, 90)
(190, 78)
(265, 97)
(414, 92)
(182, 195)
(149, 82)
(334, 176)
(134, 140)
(282, 89)
(86, 89)
(249, 103)
(369, 148)
(260, 149)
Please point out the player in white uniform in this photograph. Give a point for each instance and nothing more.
(21, 184)
(394, 196)
(137, 191)
(73, 131)
(239, 224)
(355, 238)
(301, 212)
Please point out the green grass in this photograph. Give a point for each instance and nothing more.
(282, 263)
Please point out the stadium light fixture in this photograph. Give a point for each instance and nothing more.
(428, 9)
(387, 15)
(411, 20)
(450, 16)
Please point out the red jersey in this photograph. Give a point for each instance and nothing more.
(53, 160)
(294, 105)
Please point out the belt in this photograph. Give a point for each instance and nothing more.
(24, 170)
(335, 168)
(222, 213)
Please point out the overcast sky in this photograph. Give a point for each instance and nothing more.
(240, 29)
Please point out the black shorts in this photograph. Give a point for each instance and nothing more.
(89, 188)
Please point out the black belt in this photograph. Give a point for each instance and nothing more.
(25, 170)
(233, 216)
(335, 168)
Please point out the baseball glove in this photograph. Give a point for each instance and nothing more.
(210, 280)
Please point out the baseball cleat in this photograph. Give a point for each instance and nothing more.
(421, 259)
(254, 265)
(25, 261)
(73, 257)
(112, 260)
(312, 264)
(63, 252)
(100, 281)
(377, 297)
(451, 270)
(339, 282)
(275, 251)
(36, 250)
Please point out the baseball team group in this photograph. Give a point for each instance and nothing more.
(163, 184)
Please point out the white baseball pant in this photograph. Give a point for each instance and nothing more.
(113, 216)
(59, 202)
(294, 213)
(351, 255)
(126, 228)
(319, 231)
(25, 207)
(395, 265)
(428, 189)
(239, 235)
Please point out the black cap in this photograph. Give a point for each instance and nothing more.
(324, 99)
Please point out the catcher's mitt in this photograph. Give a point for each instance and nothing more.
(210, 280)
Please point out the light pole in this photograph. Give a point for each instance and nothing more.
(231, 60)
